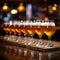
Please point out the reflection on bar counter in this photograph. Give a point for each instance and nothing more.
(25, 47)
(29, 42)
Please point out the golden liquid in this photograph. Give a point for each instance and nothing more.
(9, 29)
(17, 30)
(24, 30)
(5, 29)
(49, 31)
(13, 30)
(40, 31)
(31, 30)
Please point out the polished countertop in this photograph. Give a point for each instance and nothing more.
(31, 43)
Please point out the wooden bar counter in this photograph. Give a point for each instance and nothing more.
(35, 45)
(32, 43)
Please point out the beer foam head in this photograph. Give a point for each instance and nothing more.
(51, 24)
(32, 23)
(44, 24)
(47, 24)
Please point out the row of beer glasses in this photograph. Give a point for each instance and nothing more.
(29, 27)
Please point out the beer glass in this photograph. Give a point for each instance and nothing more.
(5, 27)
(31, 29)
(49, 31)
(40, 31)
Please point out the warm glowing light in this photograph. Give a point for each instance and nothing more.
(46, 19)
(50, 6)
(14, 11)
(45, 9)
(5, 7)
(54, 8)
(55, 5)
(50, 11)
(21, 7)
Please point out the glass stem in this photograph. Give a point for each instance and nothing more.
(40, 37)
(24, 35)
(49, 39)
(31, 36)
(19, 34)
(7, 33)
(10, 33)
(14, 33)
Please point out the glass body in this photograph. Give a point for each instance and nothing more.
(49, 31)
(24, 30)
(31, 30)
(40, 31)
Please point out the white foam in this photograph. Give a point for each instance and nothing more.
(37, 23)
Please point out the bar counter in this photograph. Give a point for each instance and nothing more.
(32, 44)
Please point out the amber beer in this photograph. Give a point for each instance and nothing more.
(31, 30)
(12, 29)
(49, 31)
(40, 31)
(17, 29)
(6, 28)
(24, 30)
